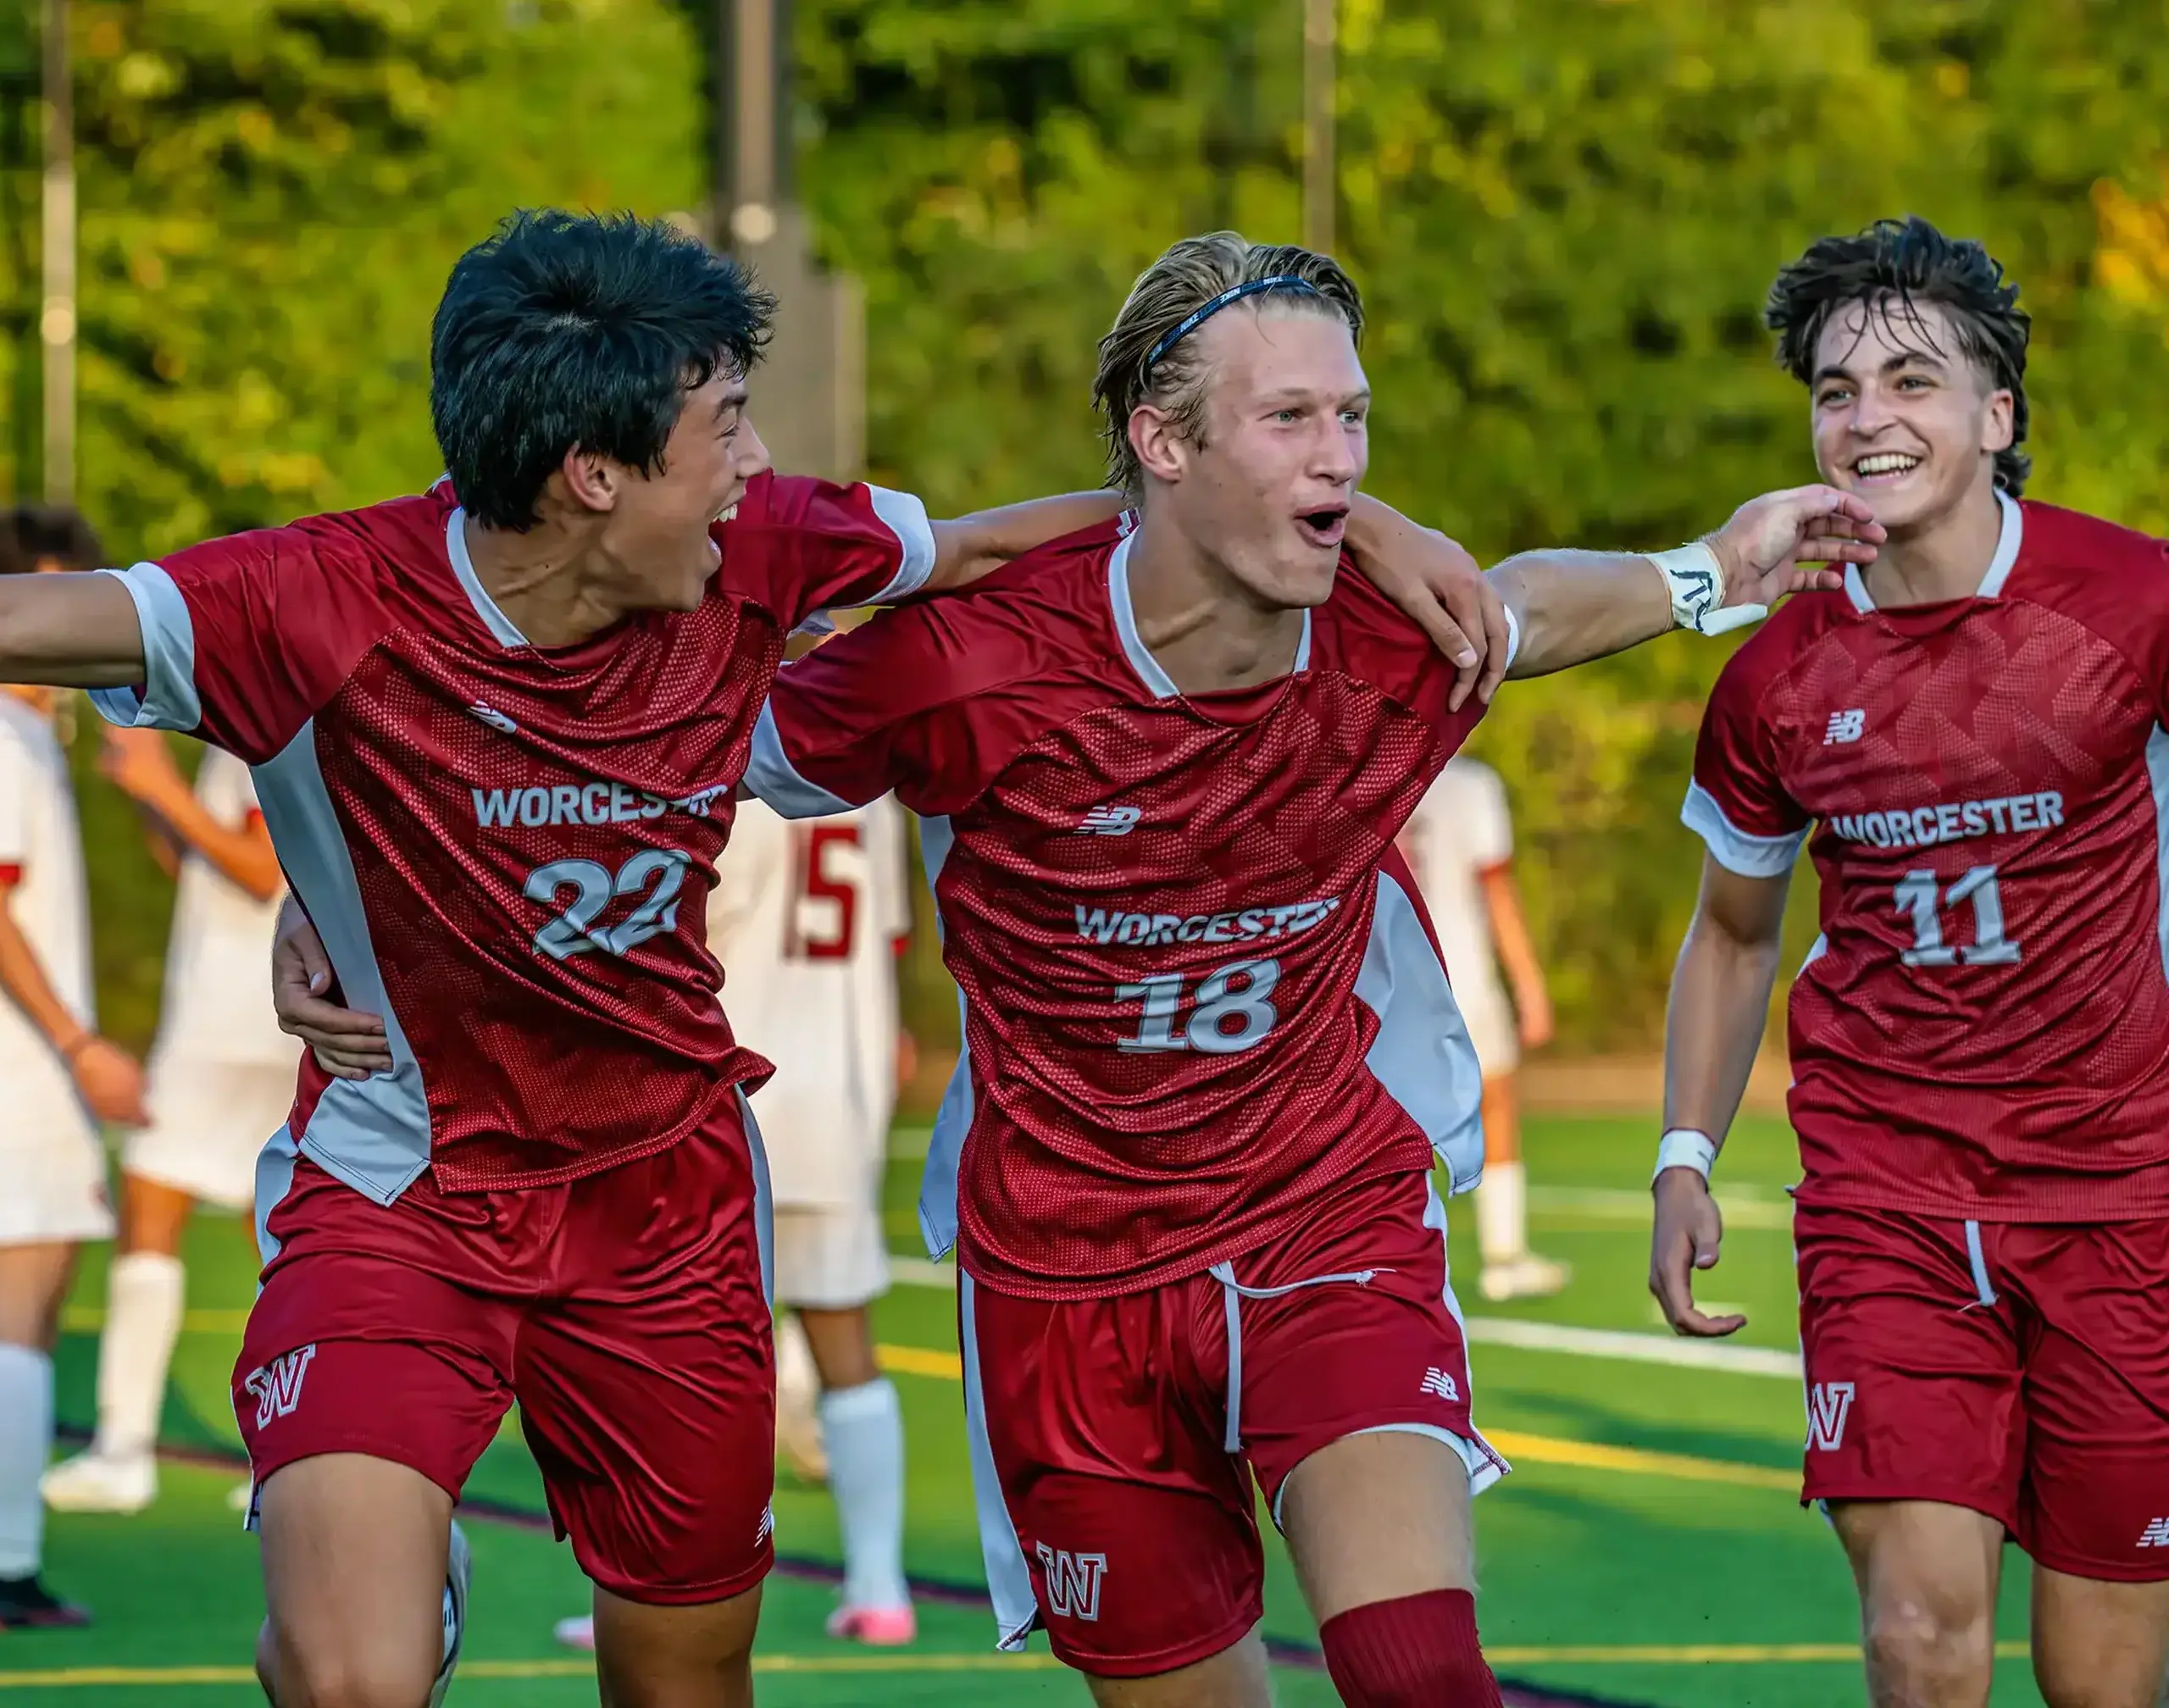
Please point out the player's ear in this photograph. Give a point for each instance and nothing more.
(592, 481)
(1158, 445)
(1997, 427)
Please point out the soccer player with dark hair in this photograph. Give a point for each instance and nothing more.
(495, 730)
(1209, 1041)
(1968, 737)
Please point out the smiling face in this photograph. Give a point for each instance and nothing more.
(657, 531)
(1902, 415)
(1265, 484)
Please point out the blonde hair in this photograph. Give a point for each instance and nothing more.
(1180, 282)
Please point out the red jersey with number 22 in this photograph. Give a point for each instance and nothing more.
(508, 849)
(1982, 1030)
(1200, 992)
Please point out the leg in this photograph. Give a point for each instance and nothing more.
(2099, 1644)
(843, 1346)
(676, 1657)
(354, 1560)
(1236, 1677)
(1379, 1528)
(1511, 1270)
(1927, 1574)
(33, 1281)
(862, 1425)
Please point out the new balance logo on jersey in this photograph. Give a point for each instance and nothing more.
(1146, 930)
(1844, 726)
(1073, 1581)
(278, 1385)
(495, 719)
(1439, 1383)
(1109, 821)
(2156, 1533)
(1828, 1405)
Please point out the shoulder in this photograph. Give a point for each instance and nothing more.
(2066, 556)
(1358, 629)
(1767, 658)
(367, 551)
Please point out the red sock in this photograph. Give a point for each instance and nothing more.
(1419, 1652)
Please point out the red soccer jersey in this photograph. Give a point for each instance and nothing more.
(1982, 1030)
(1200, 992)
(508, 849)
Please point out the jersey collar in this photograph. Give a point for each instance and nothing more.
(1156, 679)
(507, 633)
(2000, 565)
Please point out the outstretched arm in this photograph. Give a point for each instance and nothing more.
(969, 547)
(70, 630)
(1570, 606)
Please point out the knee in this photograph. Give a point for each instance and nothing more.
(1418, 1651)
(1918, 1647)
(356, 1678)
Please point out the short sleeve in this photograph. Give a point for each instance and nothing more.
(1375, 643)
(797, 547)
(244, 639)
(1737, 803)
(1488, 831)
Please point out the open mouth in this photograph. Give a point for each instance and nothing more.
(1886, 466)
(1325, 527)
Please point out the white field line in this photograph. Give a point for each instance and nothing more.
(1617, 1204)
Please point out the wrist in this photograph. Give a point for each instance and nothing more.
(1685, 1147)
(72, 1049)
(1696, 578)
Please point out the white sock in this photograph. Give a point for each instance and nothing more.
(143, 1296)
(865, 1431)
(25, 1441)
(1503, 1212)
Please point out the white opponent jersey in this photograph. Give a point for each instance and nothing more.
(218, 988)
(1459, 831)
(805, 918)
(42, 847)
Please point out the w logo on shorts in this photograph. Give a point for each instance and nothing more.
(1827, 1403)
(278, 1385)
(1073, 1581)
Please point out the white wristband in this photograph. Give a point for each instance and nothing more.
(1685, 1148)
(1696, 580)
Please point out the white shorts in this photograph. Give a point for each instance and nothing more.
(208, 1122)
(53, 1189)
(830, 1258)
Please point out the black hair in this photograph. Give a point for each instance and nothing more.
(563, 329)
(32, 534)
(1895, 265)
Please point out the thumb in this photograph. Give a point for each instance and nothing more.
(1705, 1251)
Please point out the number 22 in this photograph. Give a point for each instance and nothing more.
(593, 884)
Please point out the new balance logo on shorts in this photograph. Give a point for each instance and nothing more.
(1844, 726)
(767, 1525)
(1073, 1581)
(1109, 821)
(1827, 1403)
(2156, 1533)
(1439, 1383)
(278, 1385)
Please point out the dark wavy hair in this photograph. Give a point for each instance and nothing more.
(1895, 266)
(33, 534)
(563, 329)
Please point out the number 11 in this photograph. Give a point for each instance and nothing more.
(1917, 893)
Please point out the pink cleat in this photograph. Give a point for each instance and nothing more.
(883, 1627)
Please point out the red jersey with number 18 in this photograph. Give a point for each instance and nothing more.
(508, 849)
(1200, 996)
(1983, 1029)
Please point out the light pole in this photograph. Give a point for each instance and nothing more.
(810, 401)
(1320, 22)
(56, 320)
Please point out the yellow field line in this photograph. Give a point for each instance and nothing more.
(89, 1319)
(1562, 1654)
(920, 1361)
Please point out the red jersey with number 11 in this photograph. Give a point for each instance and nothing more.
(507, 848)
(1983, 1029)
(1200, 992)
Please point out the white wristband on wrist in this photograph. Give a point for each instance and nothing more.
(1685, 1148)
(1697, 580)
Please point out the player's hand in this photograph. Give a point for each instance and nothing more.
(139, 762)
(346, 1045)
(1787, 542)
(1683, 1238)
(1439, 587)
(110, 1080)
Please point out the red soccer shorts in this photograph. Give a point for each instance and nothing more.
(622, 1311)
(2021, 1370)
(1107, 1422)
